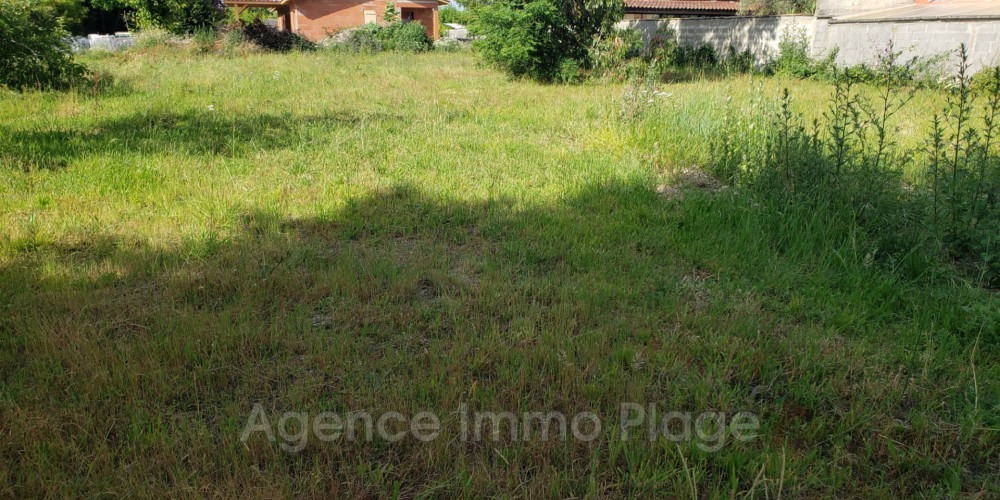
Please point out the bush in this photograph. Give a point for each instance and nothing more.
(273, 39)
(612, 54)
(451, 15)
(156, 37)
(777, 7)
(235, 41)
(964, 172)
(203, 41)
(700, 57)
(180, 17)
(794, 60)
(537, 38)
(404, 37)
(450, 45)
(365, 39)
(71, 12)
(847, 168)
(34, 49)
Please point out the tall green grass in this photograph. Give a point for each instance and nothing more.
(336, 232)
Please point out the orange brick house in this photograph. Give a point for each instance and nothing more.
(317, 19)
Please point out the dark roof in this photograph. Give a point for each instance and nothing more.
(703, 7)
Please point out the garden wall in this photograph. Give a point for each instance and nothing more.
(759, 35)
(857, 41)
(118, 41)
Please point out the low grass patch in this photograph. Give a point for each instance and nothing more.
(335, 232)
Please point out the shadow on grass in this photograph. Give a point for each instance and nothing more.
(124, 358)
(203, 132)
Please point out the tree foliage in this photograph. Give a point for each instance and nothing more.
(176, 16)
(777, 7)
(543, 39)
(34, 52)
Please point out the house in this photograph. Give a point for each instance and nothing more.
(317, 19)
(657, 9)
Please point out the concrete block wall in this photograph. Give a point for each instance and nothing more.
(832, 8)
(118, 41)
(856, 42)
(759, 35)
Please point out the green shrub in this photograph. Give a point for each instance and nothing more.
(71, 12)
(273, 39)
(180, 17)
(848, 169)
(451, 15)
(390, 15)
(536, 38)
(777, 7)
(612, 54)
(964, 172)
(234, 40)
(699, 57)
(203, 41)
(405, 37)
(365, 38)
(156, 37)
(450, 45)
(794, 60)
(34, 48)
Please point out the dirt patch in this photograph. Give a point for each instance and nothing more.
(690, 178)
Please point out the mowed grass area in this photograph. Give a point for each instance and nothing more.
(331, 232)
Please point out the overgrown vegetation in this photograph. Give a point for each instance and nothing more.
(545, 40)
(193, 240)
(393, 36)
(794, 60)
(34, 52)
(850, 164)
(448, 14)
(270, 38)
(776, 7)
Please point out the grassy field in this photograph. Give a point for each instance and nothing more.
(330, 232)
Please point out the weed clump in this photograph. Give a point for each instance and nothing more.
(270, 38)
(848, 165)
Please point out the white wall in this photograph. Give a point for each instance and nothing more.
(857, 41)
(831, 8)
(759, 35)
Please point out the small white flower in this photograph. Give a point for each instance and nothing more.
(211, 107)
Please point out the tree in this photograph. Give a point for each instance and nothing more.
(543, 39)
(34, 52)
(390, 15)
(176, 16)
(777, 7)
